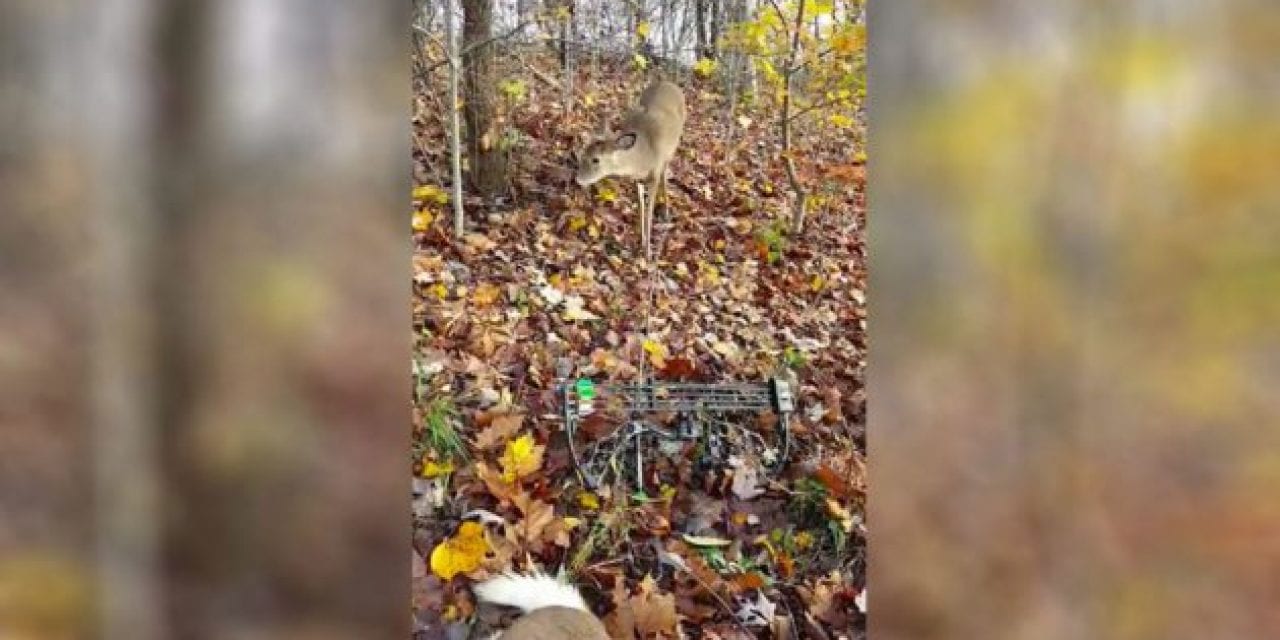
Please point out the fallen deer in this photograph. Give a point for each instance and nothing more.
(641, 150)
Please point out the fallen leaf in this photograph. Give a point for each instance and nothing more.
(746, 481)
(500, 430)
(432, 469)
(486, 294)
(654, 612)
(461, 553)
(706, 541)
(521, 458)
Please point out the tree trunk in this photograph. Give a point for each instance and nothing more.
(488, 162)
(567, 34)
(455, 128)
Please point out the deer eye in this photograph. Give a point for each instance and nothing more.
(595, 161)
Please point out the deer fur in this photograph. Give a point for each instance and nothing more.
(553, 610)
(640, 150)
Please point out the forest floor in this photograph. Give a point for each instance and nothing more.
(551, 278)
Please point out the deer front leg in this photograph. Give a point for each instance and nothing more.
(666, 205)
(642, 209)
(646, 219)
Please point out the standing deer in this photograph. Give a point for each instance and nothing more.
(641, 150)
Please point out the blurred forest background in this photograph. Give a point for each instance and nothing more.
(1075, 329)
(523, 279)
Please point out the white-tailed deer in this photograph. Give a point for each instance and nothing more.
(641, 149)
(552, 609)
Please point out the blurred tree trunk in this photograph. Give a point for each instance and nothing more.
(488, 162)
(567, 49)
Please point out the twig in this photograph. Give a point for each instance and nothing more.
(552, 82)
(471, 48)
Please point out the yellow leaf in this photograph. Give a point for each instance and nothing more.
(606, 194)
(704, 67)
(588, 500)
(642, 62)
(817, 283)
(432, 469)
(576, 223)
(657, 353)
(486, 294)
(840, 120)
(521, 458)
(804, 540)
(819, 7)
(642, 30)
(440, 290)
(668, 492)
(430, 193)
(422, 220)
(460, 554)
(571, 522)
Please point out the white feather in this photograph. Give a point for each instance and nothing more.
(530, 592)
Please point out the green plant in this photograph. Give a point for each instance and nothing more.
(439, 433)
(794, 358)
(774, 239)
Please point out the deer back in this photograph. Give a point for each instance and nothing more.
(645, 141)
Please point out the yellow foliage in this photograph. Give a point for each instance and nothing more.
(521, 458)
(422, 220)
(642, 62)
(577, 223)
(486, 294)
(804, 540)
(814, 8)
(642, 30)
(840, 120)
(460, 554)
(430, 193)
(440, 291)
(849, 41)
(704, 67)
(432, 469)
(588, 500)
(657, 353)
(606, 193)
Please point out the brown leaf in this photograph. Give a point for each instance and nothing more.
(832, 480)
(824, 607)
(493, 481)
(678, 369)
(537, 515)
(502, 428)
(654, 612)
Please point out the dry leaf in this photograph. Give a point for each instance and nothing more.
(654, 612)
(500, 430)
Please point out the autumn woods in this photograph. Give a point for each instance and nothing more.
(525, 281)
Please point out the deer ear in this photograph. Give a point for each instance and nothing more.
(625, 141)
